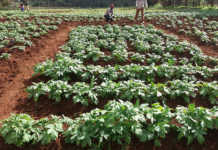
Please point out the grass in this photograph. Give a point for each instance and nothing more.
(118, 10)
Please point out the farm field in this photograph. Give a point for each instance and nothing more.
(71, 81)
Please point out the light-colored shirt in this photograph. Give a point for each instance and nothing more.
(109, 12)
(141, 3)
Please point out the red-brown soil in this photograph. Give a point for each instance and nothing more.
(19, 68)
(16, 75)
(209, 50)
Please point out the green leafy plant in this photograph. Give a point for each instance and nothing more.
(115, 123)
(5, 56)
(21, 129)
(195, 122)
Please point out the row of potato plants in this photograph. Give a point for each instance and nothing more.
(110, 79)
(149, 46)
(201, 26)
(13, 15)
(132, 90)
(118, 122)
(64, 67)
(131, 83)
(18, 29)
(17, 32)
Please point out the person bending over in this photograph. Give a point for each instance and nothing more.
(109, 14)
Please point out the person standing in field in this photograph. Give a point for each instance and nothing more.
(109, 14)
(140, 5)
(26, 5)
(21, 7)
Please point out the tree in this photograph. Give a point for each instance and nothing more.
(212, 2)
(4, 3)
(118, 3)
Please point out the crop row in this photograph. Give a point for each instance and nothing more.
(203, 27)
(132, 90)
(64, 68)
(17, 33)
(93, 83)
(140, 44)
(118, 122)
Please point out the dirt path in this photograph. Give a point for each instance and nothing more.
(20, 68)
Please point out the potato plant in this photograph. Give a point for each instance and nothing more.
(198, 25)
(118, 122)
(148, 83)
(137, 69)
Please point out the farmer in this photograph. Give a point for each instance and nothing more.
(26, 5)
(109, 14)
(22, 7)
(140, 5)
